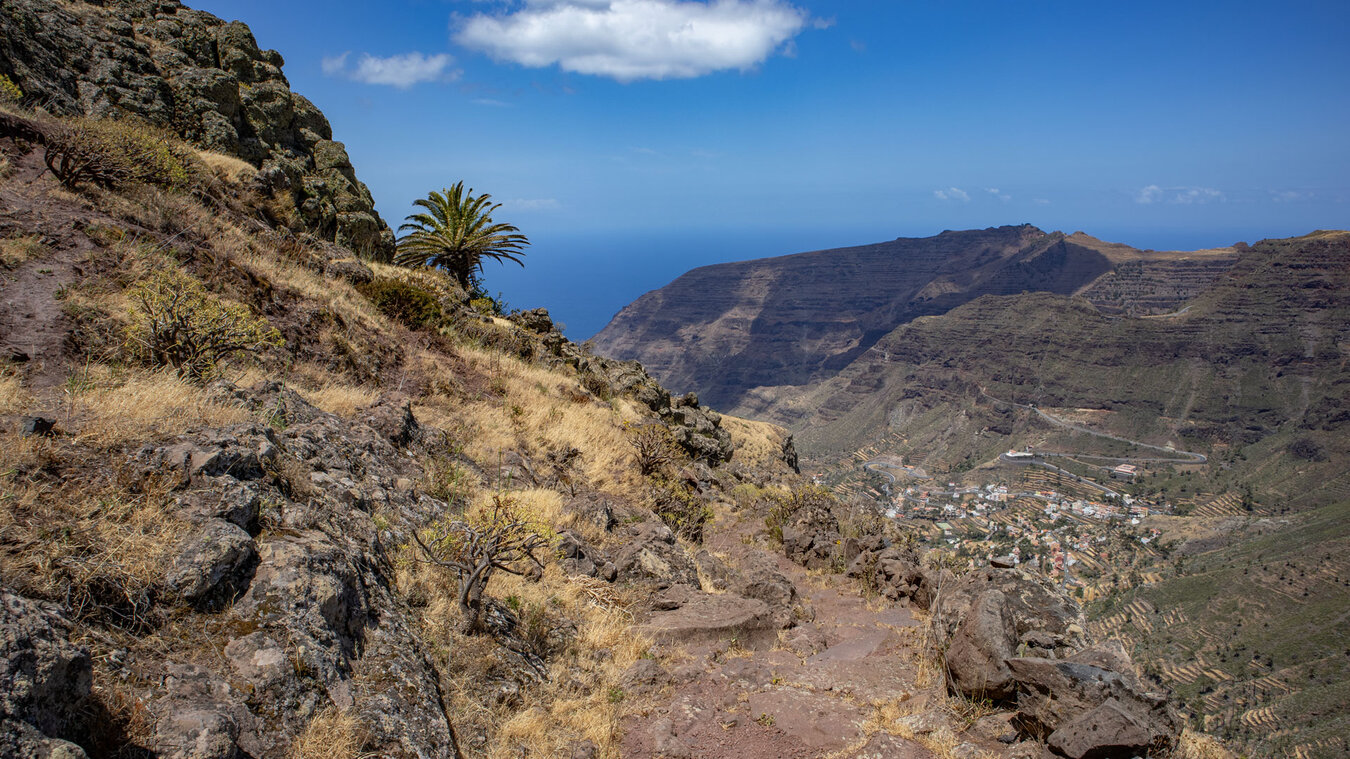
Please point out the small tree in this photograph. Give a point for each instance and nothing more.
(501, 537)
(177, 323)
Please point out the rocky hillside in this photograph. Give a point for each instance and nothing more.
(725, 330)
(205, 80)
(264, 497)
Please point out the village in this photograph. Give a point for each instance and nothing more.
(1088, 535)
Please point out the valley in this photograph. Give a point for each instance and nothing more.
(1136, 440)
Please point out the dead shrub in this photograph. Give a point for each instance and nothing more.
(654, 447)
(501, 537)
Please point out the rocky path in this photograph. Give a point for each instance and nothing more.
(849, 683)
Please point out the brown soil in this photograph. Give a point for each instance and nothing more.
(820, 691)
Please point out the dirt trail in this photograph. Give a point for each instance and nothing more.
(34, 325)
(817, 693)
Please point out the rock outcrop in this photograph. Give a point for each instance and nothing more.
(44, 682)
(192, 73)
(282, 545)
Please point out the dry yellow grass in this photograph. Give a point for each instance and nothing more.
(110, 408)
(339, 398)
(1195, 745)
(227, 168)
(757, 443)
(16, 251)
(14, 397)
(114, 548)
(330, 734)
(529, 410)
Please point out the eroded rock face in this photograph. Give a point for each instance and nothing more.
(190, 72)
(977, 656)
(44, 681)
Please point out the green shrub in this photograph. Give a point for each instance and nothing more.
(114, 152)
(175, 322)
(405, 303)
(9, 91)
(680, 508)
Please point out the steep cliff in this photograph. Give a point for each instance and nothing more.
(205, 79)
(725, 330)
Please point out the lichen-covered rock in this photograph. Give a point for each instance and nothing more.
(652, 556)
(280, 524)
(206, 79)
(44, 681)
(214, 562)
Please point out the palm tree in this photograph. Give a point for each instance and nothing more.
(456, 233)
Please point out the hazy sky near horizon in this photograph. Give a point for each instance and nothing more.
(632, 140)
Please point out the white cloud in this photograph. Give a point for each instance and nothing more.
(1041, 201)
(1290, 196)
(1178, 195)
(334, 65)
(628, 40)
(996, 193)
(401, 71)
(952, 193)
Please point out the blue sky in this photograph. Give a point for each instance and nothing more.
(632, 140)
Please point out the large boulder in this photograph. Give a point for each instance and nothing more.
(1046, 620)
(977, 658)
(653, 556)
(690, 616)
(1092, 705)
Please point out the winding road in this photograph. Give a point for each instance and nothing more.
(1177, 457)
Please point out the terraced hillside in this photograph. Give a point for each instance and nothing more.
(1251, 634)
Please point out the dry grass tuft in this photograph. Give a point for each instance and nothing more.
(756, 443)
(111, 550)
(1195, 745)
(17, 250)
(227, 168)
(330, 734)
(14, 397)
(338, 398)
(108, 408)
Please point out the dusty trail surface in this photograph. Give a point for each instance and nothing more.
(830, 687)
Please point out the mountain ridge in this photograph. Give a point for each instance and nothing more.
(725, 329)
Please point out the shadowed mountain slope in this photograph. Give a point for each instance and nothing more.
(724, 330)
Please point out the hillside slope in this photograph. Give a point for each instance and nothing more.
(725, 330)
